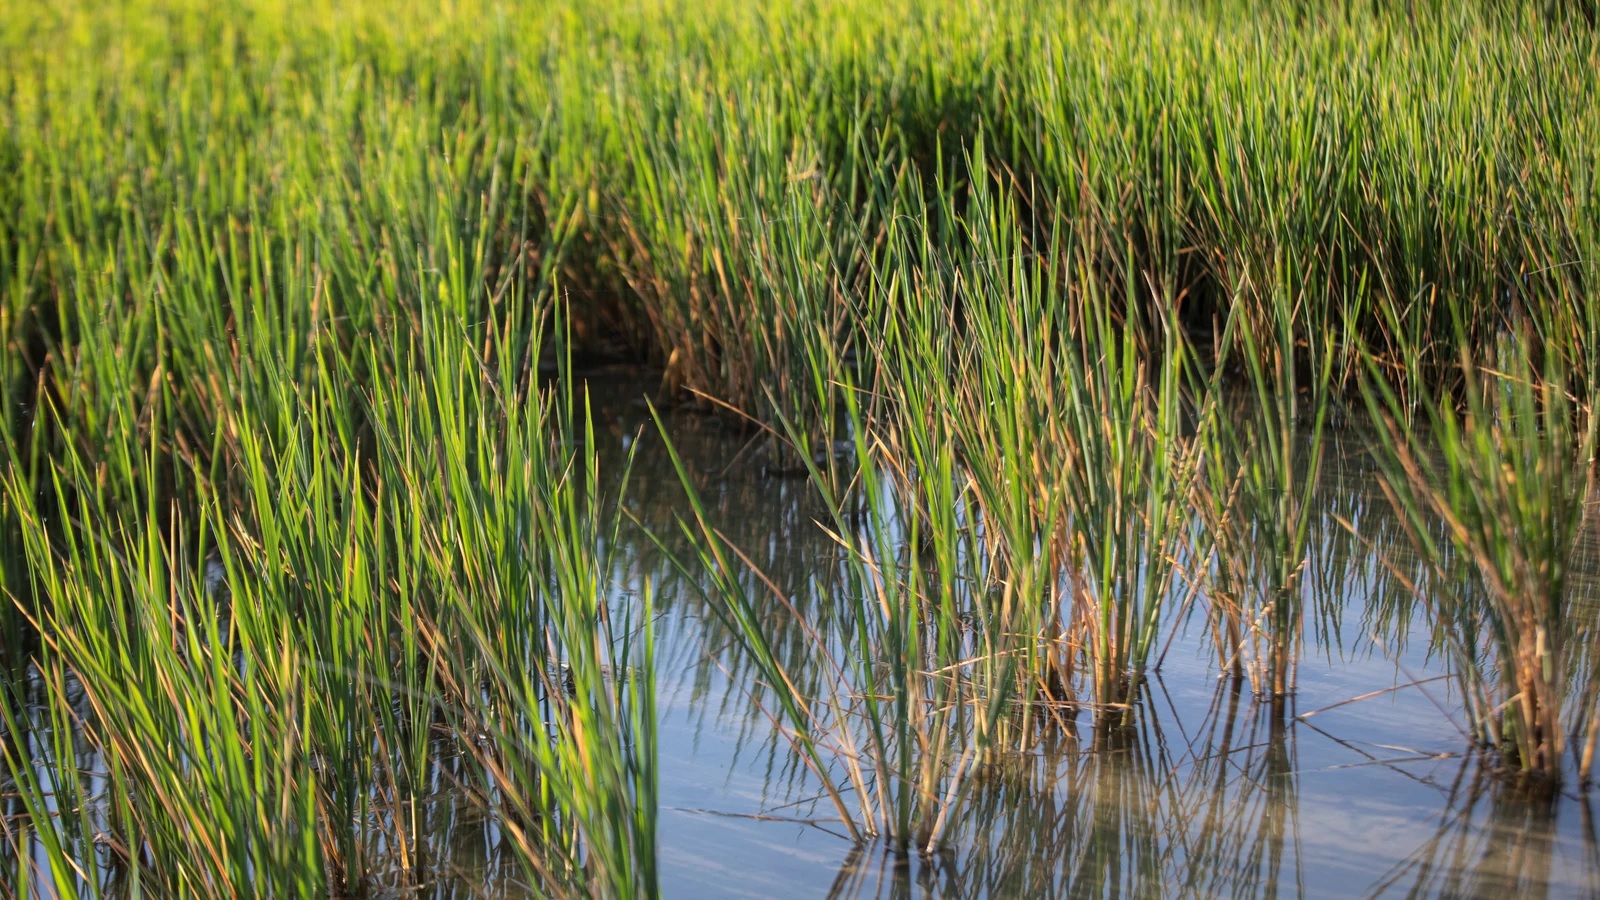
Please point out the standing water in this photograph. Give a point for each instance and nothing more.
(1359, 785)
(1364, 787)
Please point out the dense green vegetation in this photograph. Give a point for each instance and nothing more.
(284, 284)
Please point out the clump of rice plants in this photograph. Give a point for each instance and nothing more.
(1070, 404)
(1131, 470)
(905, 705)
(1263, 466)
(1503, 466)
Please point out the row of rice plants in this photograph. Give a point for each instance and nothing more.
(274, 678)
(1051, 474)
(310, 551)
(685, 152)
(1220, 153)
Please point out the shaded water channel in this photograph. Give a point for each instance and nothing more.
(1364, 787)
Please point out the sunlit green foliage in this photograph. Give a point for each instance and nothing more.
(276, 281)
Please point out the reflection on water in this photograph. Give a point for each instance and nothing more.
(1363, 787)
(1210, 795)
(1488, 842)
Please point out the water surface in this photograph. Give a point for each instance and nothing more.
(1365, 786)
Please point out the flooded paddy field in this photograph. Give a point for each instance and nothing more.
(825, 447)
(1361, 785)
